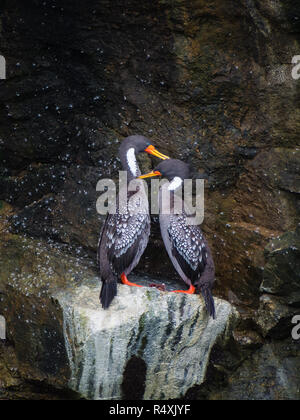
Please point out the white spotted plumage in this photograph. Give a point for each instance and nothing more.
(187, 240)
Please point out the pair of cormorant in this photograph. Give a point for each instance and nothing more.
(125, 234)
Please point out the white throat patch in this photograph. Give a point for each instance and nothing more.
(176, 182)
(131, 160)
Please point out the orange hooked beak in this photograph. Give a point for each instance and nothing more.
(152, 151)
(150, 174)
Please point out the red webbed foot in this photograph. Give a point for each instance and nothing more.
(191, 290)
(125, 280)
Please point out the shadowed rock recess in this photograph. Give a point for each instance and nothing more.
(208, 82)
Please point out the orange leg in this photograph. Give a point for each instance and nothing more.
(191, 290)
(127, 282)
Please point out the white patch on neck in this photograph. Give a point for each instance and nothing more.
(131, 160)
(176, 182)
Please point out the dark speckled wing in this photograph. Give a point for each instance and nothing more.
(187, 246)
(123, 240)
(126, 238)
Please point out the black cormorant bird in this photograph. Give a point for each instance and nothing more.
(125, 234)
(185, 243)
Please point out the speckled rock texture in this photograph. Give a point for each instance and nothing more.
(210, 82)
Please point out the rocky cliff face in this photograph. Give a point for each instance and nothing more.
(209, 82)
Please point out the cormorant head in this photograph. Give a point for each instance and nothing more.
(139, 144)
(170, 169)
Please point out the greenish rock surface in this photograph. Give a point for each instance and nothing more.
(170, 335)
(62, 337)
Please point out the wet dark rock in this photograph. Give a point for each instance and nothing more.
(33, 185)
(247, 152)
(274, 317)
(248, 339)
(208, 82)
(281, 286)
(271, 373)
(282, 270)
(69, 216)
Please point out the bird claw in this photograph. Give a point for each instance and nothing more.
(161, 287)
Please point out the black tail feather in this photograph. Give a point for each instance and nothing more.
(209, 301)
(108, 292)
